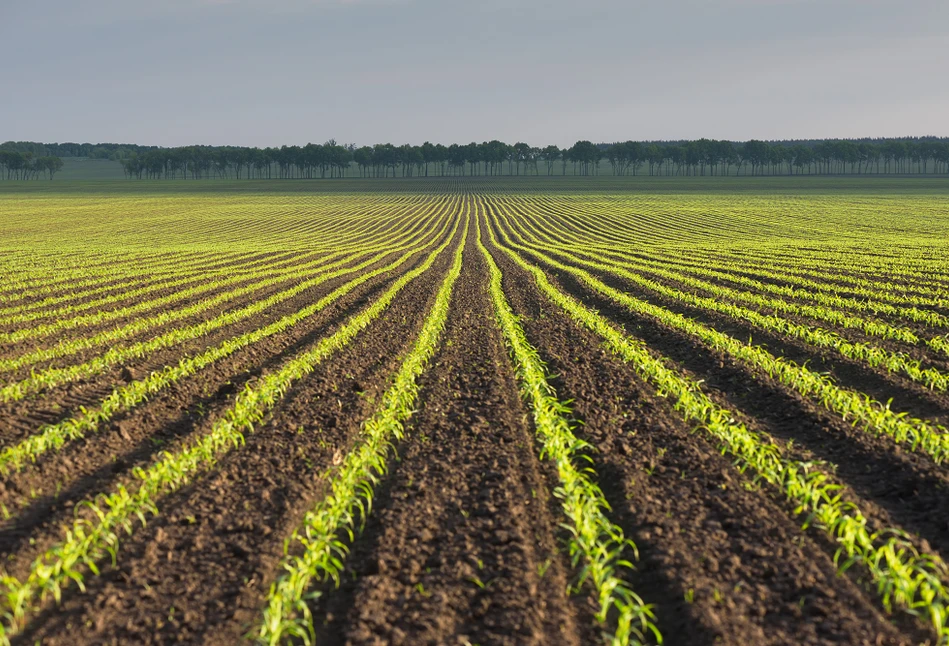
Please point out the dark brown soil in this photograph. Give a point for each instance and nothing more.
(134, 279)
(18, 349)
(461, 547)
(59, 480)
(909, 396)
(920, 352)
(199, 571)
(723, 561)
(895, 487)
(157, 289)
(23, 417)
(466, 542)
(277, 285)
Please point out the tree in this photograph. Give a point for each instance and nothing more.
(587, 155)
(757, 153)
(363, 158)
(802, 156)
(429, 155)
(520, 155)
(51, 165)
(550, 155)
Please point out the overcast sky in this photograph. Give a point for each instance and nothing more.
(273, 72)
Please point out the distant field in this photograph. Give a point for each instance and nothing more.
(583, 409)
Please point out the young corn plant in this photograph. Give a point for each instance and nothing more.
(343, 512)
(53, 377)
(596, 545)
(873, 416)
(307, 273)
(54, 436)
(96, 534)
(905, 579)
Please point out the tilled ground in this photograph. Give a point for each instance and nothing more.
(723, 563)
(466, 540)
(462, 546)
(222, 536)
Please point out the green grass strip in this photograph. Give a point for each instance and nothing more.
(76, 315)
(904, 578)
(349, 502)
(52, 377)
(54, 436)
(92, 539)
(595, 544)
(284, 263)
(918, 435)
(871, 355)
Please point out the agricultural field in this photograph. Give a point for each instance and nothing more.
(475, 411)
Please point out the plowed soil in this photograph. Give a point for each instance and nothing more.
(466, 542)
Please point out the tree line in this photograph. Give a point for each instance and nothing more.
(17, 165)
(831, 157)
(927, 155)
(115, 152)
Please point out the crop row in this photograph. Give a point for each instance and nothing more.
(677, 271)
(400, 226)
(96, 532)
(74, 303)
(321, 538)
(142, 275)
(52, 377)
(594, 228)
(869, 296)
(294, 268)
(596, 544)
(857, 351)
(904, 578)
(874, 416)
(122, 399)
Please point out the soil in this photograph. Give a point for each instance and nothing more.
(462, 545)
(721, 560)
(222, 537)
(26, 415)
(466, 540)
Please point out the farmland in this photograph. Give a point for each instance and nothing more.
(475, 410)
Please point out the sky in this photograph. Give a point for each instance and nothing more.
(275, 72)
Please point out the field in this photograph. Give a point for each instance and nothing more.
(475, 411)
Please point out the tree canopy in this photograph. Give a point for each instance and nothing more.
(26, 160)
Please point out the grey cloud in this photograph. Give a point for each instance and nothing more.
(289, 71)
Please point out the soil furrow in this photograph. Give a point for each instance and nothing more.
(223, 535)
(908, 395)
(57, 482)
(897, 487)
(24, 417)
(721, 559)
(461, 547)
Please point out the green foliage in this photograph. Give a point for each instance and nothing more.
(904, 578)
(597, 546)
(101, 521)
(344, 510)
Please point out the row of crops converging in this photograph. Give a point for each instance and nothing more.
(484, 416)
